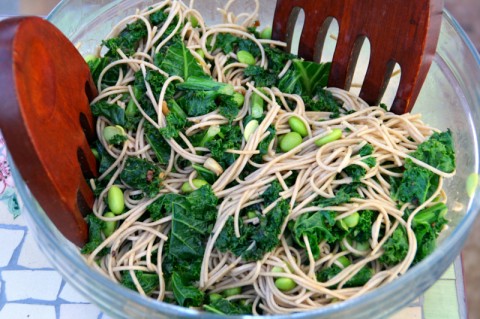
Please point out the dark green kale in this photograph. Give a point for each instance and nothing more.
(370, 161)
(363, 231)
(322, 101)
(95, 238)
(127, 40)
(159, 146)
(186, 294)
(174, 125)
(148, 281)
(343, 194)
(157, 81)
(204, 95)
(264, 144)
(272, 193)
(228, 43)
(356, 172)
(366, 150)
(358, 280)
(427, 225)
(396, 248)
(96, 66)
(262, 238)
(111, 112)
(418, 183)
(277, 58)
(223, 306)
(179, 61)
(141, 174)
(317, 227)
(230, 137)
(262, 77)
(306, 78)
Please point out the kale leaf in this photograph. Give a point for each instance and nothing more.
(262, 77)
(186, 295)
(395, 248)
(148, 281)
(306, 78)
(230, 137)
(317, 227)
(127, 40)
(95, 238)
(358, 280)
(223, 306)
(111, 112)
(343, 194)
(263, 237)
(179, 61)
(141, 174)
(159, 146)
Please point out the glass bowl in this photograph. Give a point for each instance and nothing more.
(450, 98)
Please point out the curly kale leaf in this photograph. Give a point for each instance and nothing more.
(141, 174)
(148, 281)
(395, 248)
(262, 238)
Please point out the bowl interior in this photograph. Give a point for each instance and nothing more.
(448, 100)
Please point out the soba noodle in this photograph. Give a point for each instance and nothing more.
(140, 243)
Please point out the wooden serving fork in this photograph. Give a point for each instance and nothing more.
(45, 117)
(400, 31)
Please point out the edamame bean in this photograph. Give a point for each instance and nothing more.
(277, 269)
(266, 33)
(298, 126)
(351, 220)
(251, 214)
(200, 53)
(290, 141)
(334, 135)
(285, 284)
(250, 129)
(109, 226)
(471, 184)
(110, 132)
(344, 261)
(232, 292)
(238, 98)
(187, 188)
(95, 153)
(115, 200)
(194, 21)
(214, 297)
(245, 57)
(257, 106)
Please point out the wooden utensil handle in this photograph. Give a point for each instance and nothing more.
(43, 83)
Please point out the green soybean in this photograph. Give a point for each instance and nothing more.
(232, 291)
(297, 125)
(277, 269)
(471, 184)
(334, 135)
(109, 226)
(115, 200)
(285, 284)
(290, 141)
(214, 297)
(257, 106)
(187, 188)
(194, 21)
(251, 214)
(245, 57)
(250, 129)
(266, 33)
(351, 220)
(238, 98)
(344, 261)
(109, 132)
(200, 53)
(95, 153)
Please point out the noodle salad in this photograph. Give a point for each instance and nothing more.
(231, 180)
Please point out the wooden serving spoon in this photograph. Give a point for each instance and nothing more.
(45, 117)
(46, 87)
(400, 31)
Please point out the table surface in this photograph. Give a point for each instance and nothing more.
(31, 288)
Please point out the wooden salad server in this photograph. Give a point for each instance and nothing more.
(400, 31)
(45, 117)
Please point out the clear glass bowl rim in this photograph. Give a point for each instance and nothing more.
(457, 237)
